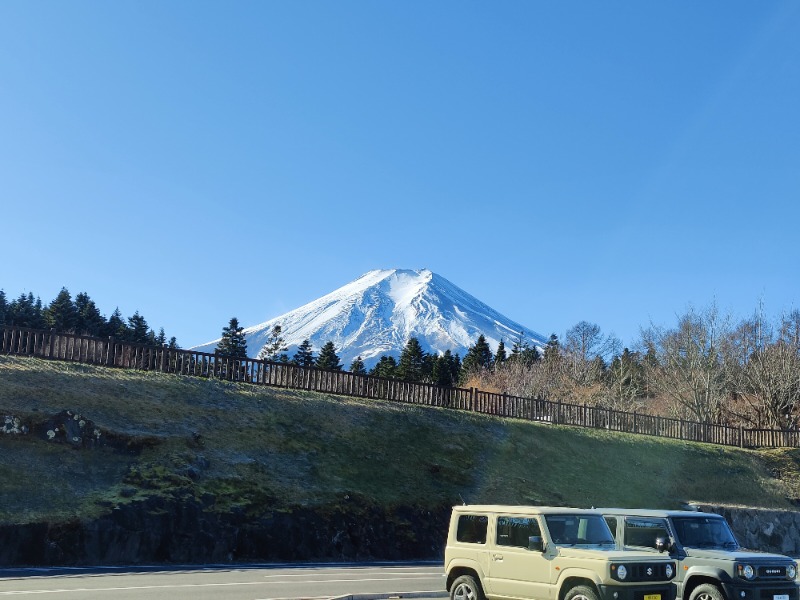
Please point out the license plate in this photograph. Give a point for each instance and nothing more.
(780, 597)
(658, 597)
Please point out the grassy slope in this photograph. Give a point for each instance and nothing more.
(265, 448)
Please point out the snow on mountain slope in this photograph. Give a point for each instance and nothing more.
(379, 312)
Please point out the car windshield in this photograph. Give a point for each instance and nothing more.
(572, 530)
(704, 532)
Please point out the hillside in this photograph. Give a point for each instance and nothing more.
(254, 455)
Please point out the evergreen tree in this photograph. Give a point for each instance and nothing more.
(328, 359)
(500, 356)
(274, 347)
(386, 367)
(61, 313)
(3, 308)
(138, 330)
(478, 357)
(233, 342)
(161, 338)
(26, 311)
(304, 357)
(412, 361)
(90, 321)
(116, 327)
(357, 367)
(173, 343)
(552, 350)
(446, 370)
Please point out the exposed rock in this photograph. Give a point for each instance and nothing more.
(185, 530)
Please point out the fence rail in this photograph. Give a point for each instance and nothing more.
(109, 352)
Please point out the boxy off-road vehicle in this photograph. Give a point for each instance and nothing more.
(711, 564)
(547, 553)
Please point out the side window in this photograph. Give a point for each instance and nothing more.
(643, 532)
(472, 529)
(612, 525)
(515, 531)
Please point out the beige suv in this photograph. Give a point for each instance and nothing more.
(711, 564)
(546, 553)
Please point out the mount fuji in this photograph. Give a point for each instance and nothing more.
(379, 312)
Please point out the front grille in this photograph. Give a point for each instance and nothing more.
(772, 571)
(647, 571)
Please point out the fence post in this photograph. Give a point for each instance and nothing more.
(52, 341)
(635, 425)
(109, 350)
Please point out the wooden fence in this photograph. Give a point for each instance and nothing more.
(109, 352)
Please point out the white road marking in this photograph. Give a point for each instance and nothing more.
(191, 585)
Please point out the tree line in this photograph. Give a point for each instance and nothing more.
(80, 316)
(708, 368)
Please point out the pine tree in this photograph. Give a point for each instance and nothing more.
(304, 357)
(274, 347)
(478, 357)
(446, 369)
(500, 356)
(90, 321)
(161, 338)
(328, 359)
(552, 350)
(61, 313)
(116, 327)
(26, 311)
(138, 330)
(233, 342)
(357, 367)
(412, 361)
(386, 367)
(3, 308)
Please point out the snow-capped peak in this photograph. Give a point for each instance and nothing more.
(379, 312)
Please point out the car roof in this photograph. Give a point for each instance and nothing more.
(649, 512)
(522, 510)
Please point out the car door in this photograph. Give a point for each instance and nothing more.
(514, 570)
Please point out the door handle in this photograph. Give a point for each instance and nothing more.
(497, 557)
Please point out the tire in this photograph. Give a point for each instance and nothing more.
(581, 592)
(466, 588)
(707, 591)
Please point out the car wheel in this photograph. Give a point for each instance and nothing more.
(581, 592)
(466, 588)
(706, 591)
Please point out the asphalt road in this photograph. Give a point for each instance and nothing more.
(241, 582)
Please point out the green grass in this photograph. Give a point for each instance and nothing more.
(252, 449)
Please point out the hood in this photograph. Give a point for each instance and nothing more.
(741, 555)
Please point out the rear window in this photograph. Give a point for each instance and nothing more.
(472, 529)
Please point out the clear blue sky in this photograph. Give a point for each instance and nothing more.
(614, 162)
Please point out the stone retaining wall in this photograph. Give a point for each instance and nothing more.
(760, 528)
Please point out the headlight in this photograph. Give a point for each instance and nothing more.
(747, 571)
(791, 571)
(622, 572)
(669, 571)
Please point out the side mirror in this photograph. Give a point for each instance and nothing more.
(535, 543)
(663, 544)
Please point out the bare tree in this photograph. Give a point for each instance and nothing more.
(689, 367)
(587, 351)
(766, 371)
